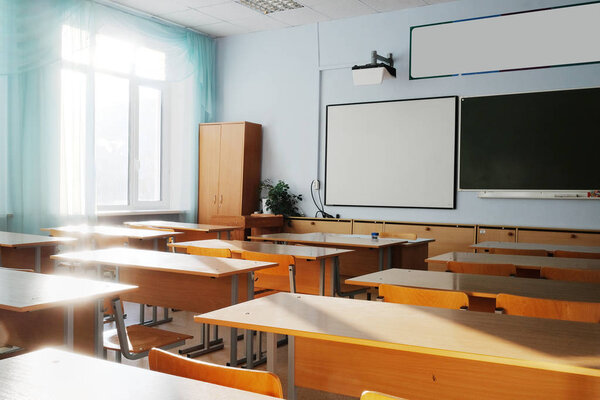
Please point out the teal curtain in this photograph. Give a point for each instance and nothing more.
(31, 59)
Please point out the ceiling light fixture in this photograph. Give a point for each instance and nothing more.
(373, 73)
(270, 6)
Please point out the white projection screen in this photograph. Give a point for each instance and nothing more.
(391, 154)
(541, 38)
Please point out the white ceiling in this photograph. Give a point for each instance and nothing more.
(219, 18)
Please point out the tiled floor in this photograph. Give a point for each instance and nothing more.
(183, 322)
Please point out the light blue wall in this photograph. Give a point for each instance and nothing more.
(284, 79)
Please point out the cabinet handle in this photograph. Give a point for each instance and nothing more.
(215, 199)
(573, 236)
(221, 199)
(510, 234)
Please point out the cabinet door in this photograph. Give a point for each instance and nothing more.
(485, 234)
(208, 171)
(231, 169)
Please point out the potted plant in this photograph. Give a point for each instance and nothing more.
(278, 199)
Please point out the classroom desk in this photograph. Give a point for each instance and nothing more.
(521, 262)
(14, 249)
(346, 346)
(134, 237)
(188, 231)
(181, 281)
(305, 272)
(51, 374)
(32, 310)
(409, 253)
(487, 286)
(550, 248)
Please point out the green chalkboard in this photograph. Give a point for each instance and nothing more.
(531, 141)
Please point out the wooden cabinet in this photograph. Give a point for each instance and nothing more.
(575, 238)
(495, 234)
(447, 237)
(228, 169)
(307, 225)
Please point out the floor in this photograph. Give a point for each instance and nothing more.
(183, 322)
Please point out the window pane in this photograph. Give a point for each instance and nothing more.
(149, 153)
(113, 54)
(150, 64)
(72, 142)
(111, 140)
(75, 45)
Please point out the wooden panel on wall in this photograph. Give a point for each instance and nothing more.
(495, 234)
(366, 227)
(447, 238)
(558, 237)
(304, 225)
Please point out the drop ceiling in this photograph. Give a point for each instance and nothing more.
(219, 18)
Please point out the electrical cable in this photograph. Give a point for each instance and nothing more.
(320, 209)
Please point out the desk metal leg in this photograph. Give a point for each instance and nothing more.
(38, 259)
(250, 334)
(233, 338)
(271, 352)
(322, 278)
(389, 257)
(228, 235)
(381, 250)
(68, 329)
(219, 235)
(0, 258)
(155, 244)
(291, 366)
(99, 328)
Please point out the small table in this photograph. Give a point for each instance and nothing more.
(340, 241)
(305, 253)
(182, 281)
(93, 232)
(344, 346)
(550, 248)
(482, 285)
(57, 375)
(11, 243)
(189, 231)
(522, 262)
(31, 309)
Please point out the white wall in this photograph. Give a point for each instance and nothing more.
(284, 79)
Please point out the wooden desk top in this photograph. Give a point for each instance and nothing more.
(51, 374)
(164, 261)
(26, 291)
(183, 226)
(12, 239)
(112, 231)
(482, 285)
(334, 239)
(506, 339)
(237, 246)
(525, 262)
(536, 246)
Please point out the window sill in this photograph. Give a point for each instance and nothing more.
(116, 213)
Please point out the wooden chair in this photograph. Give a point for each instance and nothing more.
(135, 341)
(576, 254)
(547, 308)
(481, 269)
(203, 251)
(369, 395)
(576, 275)
(424, 297)
(274, 278)
(407, 236)
(250, 380)
(521, 252)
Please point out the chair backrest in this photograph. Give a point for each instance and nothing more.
(204, 251)
(369, 395)
(576, 254)
(256, 381)
(424, 297)
(577, 275)
(407, 236)
(547, 308)
(521, 252)
(272, 278)
(481, 269)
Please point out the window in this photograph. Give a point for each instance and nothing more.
(112, 93)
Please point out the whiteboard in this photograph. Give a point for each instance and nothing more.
(391, 154)
(541, 38)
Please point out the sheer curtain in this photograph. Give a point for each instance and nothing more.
(47, 172)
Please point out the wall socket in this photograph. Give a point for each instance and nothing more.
(316, 185)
